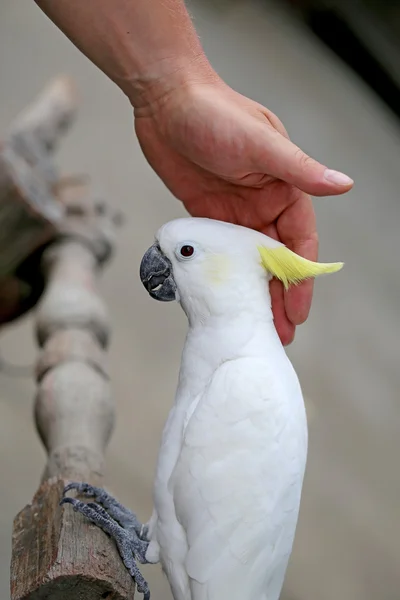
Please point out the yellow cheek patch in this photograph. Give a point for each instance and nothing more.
(217, 268)
(290, 268)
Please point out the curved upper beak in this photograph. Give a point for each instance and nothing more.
(156, 275)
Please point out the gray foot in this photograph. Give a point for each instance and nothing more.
(119, 523)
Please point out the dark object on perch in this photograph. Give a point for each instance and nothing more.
(56, 554)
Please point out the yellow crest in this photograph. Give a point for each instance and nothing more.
(290, 268)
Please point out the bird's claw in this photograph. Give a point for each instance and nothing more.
(118, 522)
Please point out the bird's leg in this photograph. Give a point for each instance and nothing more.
(126, 518)
(119, 523)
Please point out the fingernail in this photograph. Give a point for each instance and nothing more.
(337, 177)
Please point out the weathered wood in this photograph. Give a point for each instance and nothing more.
(60, 557)
(36, 132)
(29, 210)
(57, 554)
(29, 213)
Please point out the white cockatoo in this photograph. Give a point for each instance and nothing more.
(230, 471)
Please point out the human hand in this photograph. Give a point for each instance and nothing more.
(227, 157)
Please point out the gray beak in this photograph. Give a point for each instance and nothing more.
(156, 275)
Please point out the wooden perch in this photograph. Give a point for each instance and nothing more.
(56, 553)
(29, 211)
(37, 131)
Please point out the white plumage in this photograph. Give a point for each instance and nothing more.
(232, 459)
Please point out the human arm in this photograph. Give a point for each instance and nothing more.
(146, 47)
(223, 155)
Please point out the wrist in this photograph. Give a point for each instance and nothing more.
(156, 82)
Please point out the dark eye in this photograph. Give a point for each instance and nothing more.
(187, 251)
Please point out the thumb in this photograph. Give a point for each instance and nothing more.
(279, 157)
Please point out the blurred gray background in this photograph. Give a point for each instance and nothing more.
(347, 354)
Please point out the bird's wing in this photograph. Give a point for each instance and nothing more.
(238, 480)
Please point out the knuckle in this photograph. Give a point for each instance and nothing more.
(304, 161)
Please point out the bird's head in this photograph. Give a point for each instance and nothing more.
(213, 268)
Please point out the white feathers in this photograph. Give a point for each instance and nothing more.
(232, 459)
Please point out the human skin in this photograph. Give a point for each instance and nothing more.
(222, 154)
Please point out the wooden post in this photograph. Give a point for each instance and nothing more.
(29, 211)
(56, 553)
